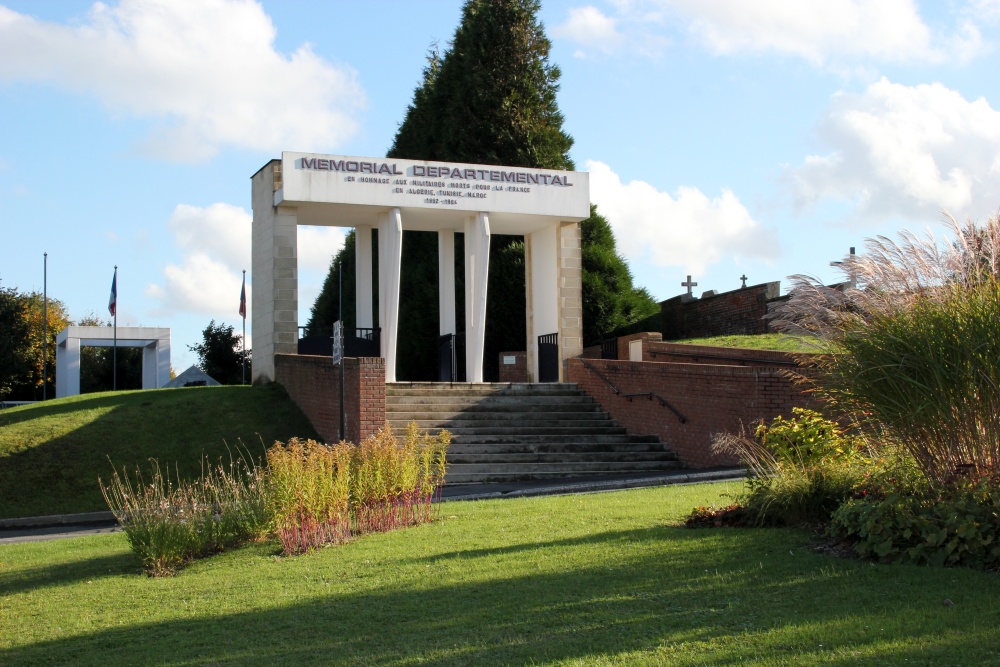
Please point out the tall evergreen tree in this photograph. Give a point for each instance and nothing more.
(489, 99)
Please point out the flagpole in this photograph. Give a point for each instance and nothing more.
(243, 304)
(45, 326)
(114, 363)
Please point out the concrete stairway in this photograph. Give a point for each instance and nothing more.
(509, 432)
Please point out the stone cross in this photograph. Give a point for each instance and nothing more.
(853, 278)
(744, 279)
(689, 285)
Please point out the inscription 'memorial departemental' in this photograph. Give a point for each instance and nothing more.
(458, 180)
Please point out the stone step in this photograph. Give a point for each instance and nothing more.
(506, 404)
(567, 469)
(579, 447)
(403, 418)
(455, 458)
(500, 404)
(527, 426)
(491, 430)
(535, 438)
(507, 432)
(476, 389)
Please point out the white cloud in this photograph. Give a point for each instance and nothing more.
(907, 151)
(685, 230)
(205, 70)
(588, 25)
(216, 245)
(823, 32)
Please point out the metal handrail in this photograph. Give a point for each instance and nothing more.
(647, 394)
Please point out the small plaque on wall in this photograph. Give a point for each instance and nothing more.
(509, 360)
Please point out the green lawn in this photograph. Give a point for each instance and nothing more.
(771, 341)
(52, 453)
(602, 579)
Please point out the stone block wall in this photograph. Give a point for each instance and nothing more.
(710, 397)
(313, 383)
(737, 312)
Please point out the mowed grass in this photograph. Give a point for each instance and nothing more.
(52, 453)
(602, 579)
(771, 341)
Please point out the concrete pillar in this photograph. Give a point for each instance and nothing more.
(542, 291)
(149, 367)
(274, 322)
(570, 295)
(68, 367)
(446, 281)
(363, 277)
(390, 246)
(477, 267)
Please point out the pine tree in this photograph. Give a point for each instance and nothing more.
(489, 99)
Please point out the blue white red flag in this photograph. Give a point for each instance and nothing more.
(113, 301)
(243, 298)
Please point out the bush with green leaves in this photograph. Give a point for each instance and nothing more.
(958, 528)
(802, 468)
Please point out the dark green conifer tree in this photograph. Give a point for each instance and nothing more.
(489, 99)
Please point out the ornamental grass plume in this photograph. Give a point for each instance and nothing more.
(917, 326)
(168, 523)
(309, 487)
(394, 485)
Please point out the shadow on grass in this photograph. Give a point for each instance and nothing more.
(663, 596)
(64, 574)
(52, 466)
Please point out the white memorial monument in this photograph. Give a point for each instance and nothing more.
(545, 206)
(155, 344)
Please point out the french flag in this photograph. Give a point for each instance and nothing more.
(243, 298)
(113, 301)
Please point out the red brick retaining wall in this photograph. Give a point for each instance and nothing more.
(740, 311)
(712, 398)
(516, 372)
(313, 383)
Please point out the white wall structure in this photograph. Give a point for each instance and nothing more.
(155, 344)
(543, 205)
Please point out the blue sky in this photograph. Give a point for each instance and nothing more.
(723, 137)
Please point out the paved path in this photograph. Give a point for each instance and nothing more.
(37, 529)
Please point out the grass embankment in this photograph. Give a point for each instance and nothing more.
(771, 341)
(603, 579)
(52, 453)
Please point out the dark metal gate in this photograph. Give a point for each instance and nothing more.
(609, 348)
(451, 358)
(548, 358)
(364, 343)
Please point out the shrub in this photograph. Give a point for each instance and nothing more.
(308, 493)
(322, 494)
(918, 325)
(168, 523)
(395, 485)
(957, 528)
(801, 468)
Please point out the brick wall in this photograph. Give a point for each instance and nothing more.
(712, 398)
(517, 371)
(738, 312)
(313, 383)
(653, 350)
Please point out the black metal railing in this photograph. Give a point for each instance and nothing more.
(643, 394)
(451, 358)
(366, 342)
(609, 348)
